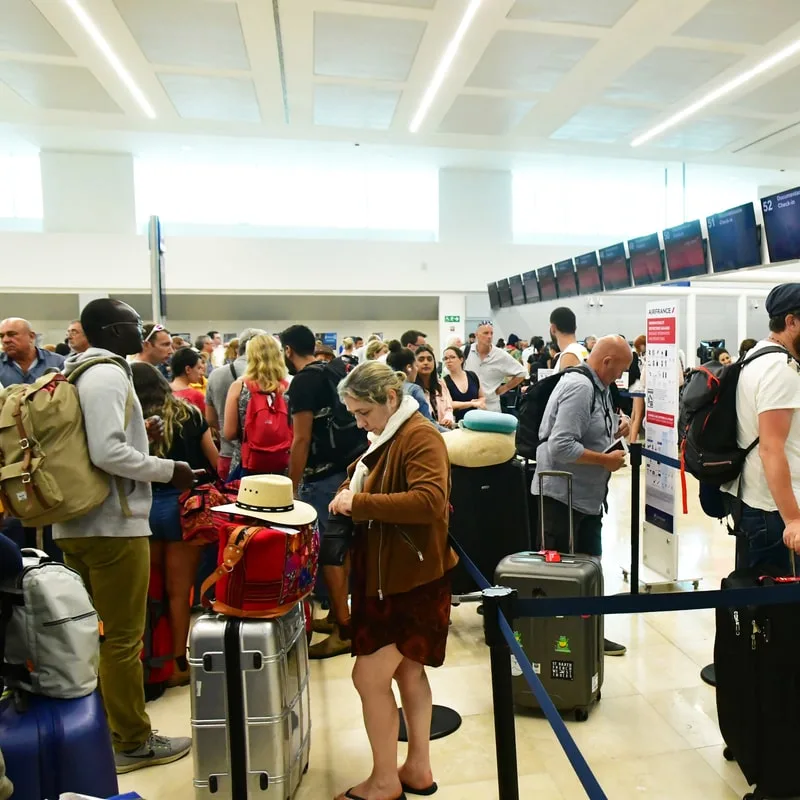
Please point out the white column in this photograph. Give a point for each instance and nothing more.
(741, 322)
(475, 207)
(452, 318)
(88, 192)
(691, 330)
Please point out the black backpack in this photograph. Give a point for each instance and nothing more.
(532, 407)
(344, 441)
(707, 422)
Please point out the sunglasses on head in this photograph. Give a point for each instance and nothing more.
(156, 329)
(485, 322)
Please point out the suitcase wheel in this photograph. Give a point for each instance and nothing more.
(581, 715)
(728, 755)
(305, 768)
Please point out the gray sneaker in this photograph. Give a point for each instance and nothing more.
(156, 750)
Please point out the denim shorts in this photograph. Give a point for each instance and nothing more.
(165, 516)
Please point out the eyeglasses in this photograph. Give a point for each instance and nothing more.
(156, 329)
(115, 325)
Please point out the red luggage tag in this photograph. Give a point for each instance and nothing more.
(551, 556)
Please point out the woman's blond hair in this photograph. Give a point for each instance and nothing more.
(232, 350)
(374, 349)
(371, 382)
(347, 343)
(265, 363)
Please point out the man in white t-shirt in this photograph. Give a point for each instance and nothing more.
(493, 366)
(767, 402)
(562, 328)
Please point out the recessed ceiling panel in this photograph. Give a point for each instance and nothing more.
(749, 21)
(23, 29)
(351, 46)
(779, 96)
(602, 13)
(669, 74)
(203, 97)
(403, 3)
(187, 33)
(354, 107)
(709, 134)
(522, 61)
(604, 124)
(484, 116)
(52, 86)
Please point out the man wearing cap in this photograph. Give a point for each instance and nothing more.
(767, 405)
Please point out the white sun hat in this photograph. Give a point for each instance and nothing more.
(269, 497)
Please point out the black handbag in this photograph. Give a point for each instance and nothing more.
(336, 540)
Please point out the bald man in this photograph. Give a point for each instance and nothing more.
(578, 427)
(21, 360)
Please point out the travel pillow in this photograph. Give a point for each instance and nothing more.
(478, 449)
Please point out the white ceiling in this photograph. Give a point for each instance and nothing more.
(532, 76)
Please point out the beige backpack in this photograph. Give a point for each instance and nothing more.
(46, 475)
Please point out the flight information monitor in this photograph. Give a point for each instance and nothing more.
(647, 264)
(547, 283)
(494, 295)
(588, 273)
(505, 292)
(565, 278)
(614, 266)
(517, 290)
(734, 238)
(531, 285)
(686, 251)
(782, 224)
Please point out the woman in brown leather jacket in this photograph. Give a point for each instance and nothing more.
(398, 496)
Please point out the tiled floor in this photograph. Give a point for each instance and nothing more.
(654, 734)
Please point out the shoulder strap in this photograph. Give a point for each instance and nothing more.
(587, 373)
(232, 368)
(766, 351)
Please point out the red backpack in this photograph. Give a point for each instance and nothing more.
(267, 434)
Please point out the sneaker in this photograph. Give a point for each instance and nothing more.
(156, 750)
(335, 645)
(613, 649)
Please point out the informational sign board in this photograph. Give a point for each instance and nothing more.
(660, 536)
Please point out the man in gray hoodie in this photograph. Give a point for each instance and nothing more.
(109, 546)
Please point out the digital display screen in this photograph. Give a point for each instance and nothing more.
(531, 285)
(588, 273)
(494, 295)
(505, 292)
(565, 278)
(614, 263)
(647, 265)
(782, 223)
(685, 249)
(734, 239)
(517, 290)
(547, 283)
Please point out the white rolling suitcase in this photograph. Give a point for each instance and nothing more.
(251, 720)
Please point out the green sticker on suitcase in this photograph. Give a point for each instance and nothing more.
(562, 645)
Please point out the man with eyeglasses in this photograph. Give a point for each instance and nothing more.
(109, 546)
(578, 428)
(157, 347)
(76, 338)
(21, 360)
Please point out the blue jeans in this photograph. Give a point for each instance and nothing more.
(165, 516)
(319, 495)
(762, 537)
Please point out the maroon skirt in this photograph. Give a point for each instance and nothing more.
(416, 622)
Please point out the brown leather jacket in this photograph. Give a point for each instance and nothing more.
(402, 513)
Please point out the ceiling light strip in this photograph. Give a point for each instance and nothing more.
(276, 14)
(113, 59)
(444, 66)
(716, 94)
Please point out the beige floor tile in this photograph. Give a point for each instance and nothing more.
(728, 770)
(691, 712)
(658, 668)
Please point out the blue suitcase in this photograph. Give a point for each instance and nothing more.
(52, 746)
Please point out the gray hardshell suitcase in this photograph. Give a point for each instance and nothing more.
(566, 652)
(251, 720)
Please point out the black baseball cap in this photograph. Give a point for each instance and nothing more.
(783, 299)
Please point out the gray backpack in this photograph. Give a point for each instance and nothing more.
(49, 630)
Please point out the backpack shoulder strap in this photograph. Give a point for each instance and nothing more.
(232, 368)
(589, 375)
(766, 351)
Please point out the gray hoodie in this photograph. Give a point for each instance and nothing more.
(115, 449)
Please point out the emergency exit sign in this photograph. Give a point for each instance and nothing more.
(452, 319)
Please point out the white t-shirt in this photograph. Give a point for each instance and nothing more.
(577, 349)
(771, 382)
(492, 371)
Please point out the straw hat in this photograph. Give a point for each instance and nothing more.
(269, 497)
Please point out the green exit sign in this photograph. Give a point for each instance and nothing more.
(452, 319)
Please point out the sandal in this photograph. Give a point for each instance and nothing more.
(432, 789)
(349, 794)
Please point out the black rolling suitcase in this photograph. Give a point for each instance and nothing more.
(757, 665)
(566, 652)
(489, 518)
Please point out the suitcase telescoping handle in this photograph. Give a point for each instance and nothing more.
(556, 473)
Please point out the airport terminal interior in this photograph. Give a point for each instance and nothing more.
(370, 167)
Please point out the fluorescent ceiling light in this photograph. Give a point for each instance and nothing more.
(105, 48)
(726, 88)
(444, 65)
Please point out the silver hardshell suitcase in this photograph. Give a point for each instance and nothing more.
(566, 652)
(251, 720)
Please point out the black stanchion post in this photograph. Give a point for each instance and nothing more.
(499, 599)
(636, 478)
